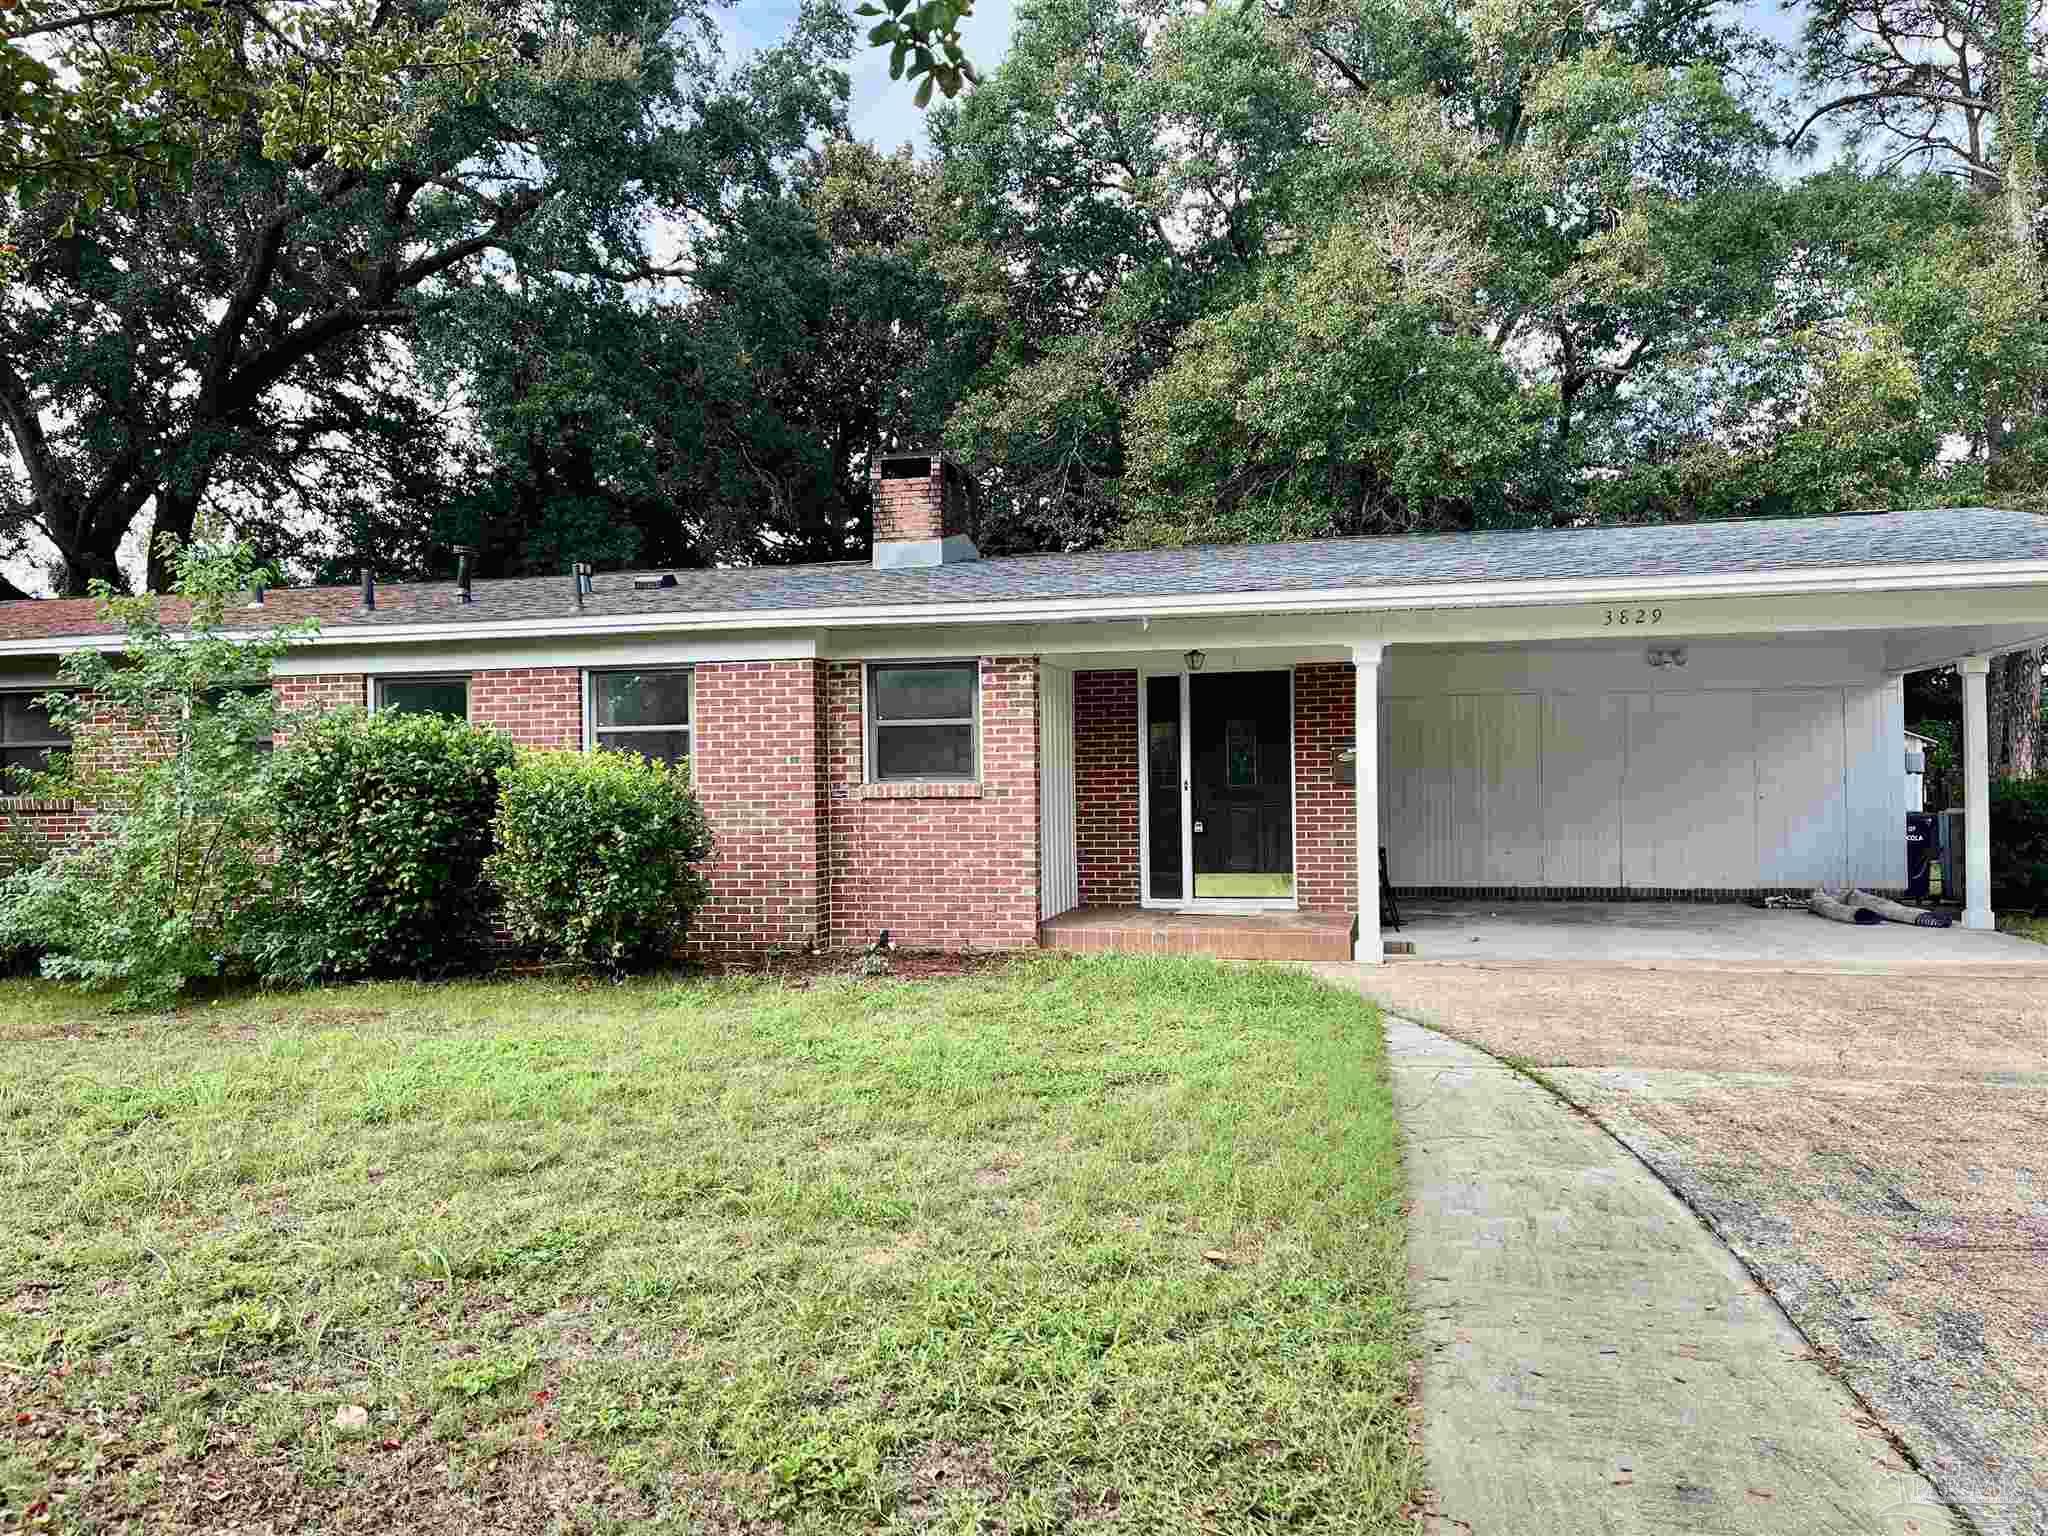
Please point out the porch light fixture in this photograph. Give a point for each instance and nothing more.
(1194, 659)
(1665, 656)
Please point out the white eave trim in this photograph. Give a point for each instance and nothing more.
(1813, 581)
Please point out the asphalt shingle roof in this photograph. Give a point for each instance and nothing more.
(1964, 534)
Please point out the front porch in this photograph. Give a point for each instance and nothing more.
(1276, 935)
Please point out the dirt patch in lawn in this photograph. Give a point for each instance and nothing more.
(1874, 1147)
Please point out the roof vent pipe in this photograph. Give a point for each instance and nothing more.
(581, 571)
(369, 590)
(463, 552)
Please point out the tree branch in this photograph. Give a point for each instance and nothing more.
(91, 19)
(1864, 98)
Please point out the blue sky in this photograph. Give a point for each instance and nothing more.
(881, 110)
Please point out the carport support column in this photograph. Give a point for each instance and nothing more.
(1976, 796)
(1365, 664)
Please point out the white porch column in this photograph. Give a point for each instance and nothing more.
(1365, 663)
(1976, 796)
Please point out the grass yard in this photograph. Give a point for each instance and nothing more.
(2024, 925)
(1072, 1244)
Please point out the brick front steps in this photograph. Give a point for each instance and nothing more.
(1262, 936)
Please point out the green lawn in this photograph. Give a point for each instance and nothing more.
(1071, 1244)
(2024, 925)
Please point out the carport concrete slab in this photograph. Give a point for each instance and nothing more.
(1653, 932)
(1595, 1360)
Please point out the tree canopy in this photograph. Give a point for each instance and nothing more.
(566, 282)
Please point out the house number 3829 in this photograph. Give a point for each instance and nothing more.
(1635, 616)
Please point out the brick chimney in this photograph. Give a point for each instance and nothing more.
(924, 510)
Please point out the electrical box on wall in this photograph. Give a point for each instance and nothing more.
(1344, 763)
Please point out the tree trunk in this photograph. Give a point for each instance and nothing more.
(177, 511)
(2014, 723)
(87, 561)
(2019, 104)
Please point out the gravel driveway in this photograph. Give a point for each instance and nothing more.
(1873, 1146)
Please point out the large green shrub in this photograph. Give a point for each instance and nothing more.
(2019, 845)
(170, 885)
(597, 856)
(383, 823)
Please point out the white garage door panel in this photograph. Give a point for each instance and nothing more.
(1689, 793)
(1462, 785)
(1876, 786)
(1582, 763)
(1711, 789)
(1801, 829)
(1414, 791)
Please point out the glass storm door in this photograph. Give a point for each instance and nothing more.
(1219, 788)
(1165, 790)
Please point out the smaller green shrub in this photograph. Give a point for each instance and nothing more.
(596, 856)
(2019, 845)
(383, 824)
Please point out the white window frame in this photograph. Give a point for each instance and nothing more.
(378, 680)
(591, 727)
(868, 721)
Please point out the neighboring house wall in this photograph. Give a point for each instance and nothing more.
(945, 865)
(1106, 787)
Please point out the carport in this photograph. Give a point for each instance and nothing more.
(1699, 715)
(1683, 933)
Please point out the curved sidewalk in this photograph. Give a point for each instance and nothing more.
(1594, 1360)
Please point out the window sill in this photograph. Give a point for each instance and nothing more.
(912, 789)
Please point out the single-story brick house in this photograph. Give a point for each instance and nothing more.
(965, 751)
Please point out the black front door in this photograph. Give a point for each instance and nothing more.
(1242, 785)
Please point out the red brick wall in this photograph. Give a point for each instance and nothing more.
(929, 506)
(325, 690)
(806, 852)
(59, 823)
(1325, 812)
(757, 752)
(535, 706)
(950, 866)
(1106, 786)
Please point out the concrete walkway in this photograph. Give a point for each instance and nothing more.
(1594, 1359)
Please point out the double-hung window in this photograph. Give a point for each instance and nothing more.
(424, 696)
(922, 718)
(643, 712)
(27, 736)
